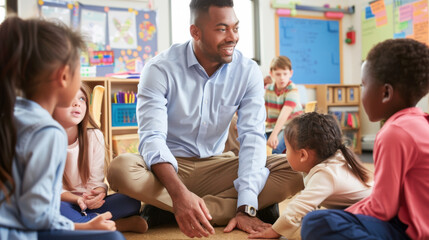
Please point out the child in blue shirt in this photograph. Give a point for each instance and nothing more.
(39, 60)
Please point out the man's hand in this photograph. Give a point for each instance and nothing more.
(267, 233)
(190, 210)
(192, 215)
(246, 223)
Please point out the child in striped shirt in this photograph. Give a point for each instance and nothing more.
(281, 102)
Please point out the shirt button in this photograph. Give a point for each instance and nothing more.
(204, 123)
(205, 101)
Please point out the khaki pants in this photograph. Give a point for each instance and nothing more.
(210, 178)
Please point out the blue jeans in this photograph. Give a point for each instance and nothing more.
(281, 147)
(118, 204)
(339, 224)
(81, 235)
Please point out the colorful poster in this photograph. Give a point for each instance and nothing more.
(379, 10)
(373, 33)
(101, 58)
(128, 42)
(57, 13)
(122, 29)
(93, 26)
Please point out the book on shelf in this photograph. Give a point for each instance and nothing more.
(346, 119)
(125, 75)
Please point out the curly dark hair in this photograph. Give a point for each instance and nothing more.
(321, 133)
(403, 63)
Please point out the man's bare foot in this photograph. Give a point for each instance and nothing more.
(134, 223)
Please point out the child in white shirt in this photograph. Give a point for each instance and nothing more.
(84, 194)
(333, 177)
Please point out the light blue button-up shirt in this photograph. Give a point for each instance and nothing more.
(37, 168)
(183, 112)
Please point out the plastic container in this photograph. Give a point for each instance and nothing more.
(126, 143)
(124, 114)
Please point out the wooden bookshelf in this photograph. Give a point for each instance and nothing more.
(112, 85)
(342, 98)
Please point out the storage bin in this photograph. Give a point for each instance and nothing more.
(340, 95)
(126, 143)
(352, 95)
(124, 114)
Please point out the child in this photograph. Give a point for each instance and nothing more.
(395, 77)
(84, 190)
(281, 102)
(333, 177)
(40, 61)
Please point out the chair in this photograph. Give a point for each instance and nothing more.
(310, 106)
(96, 103)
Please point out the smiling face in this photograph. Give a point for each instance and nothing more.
(71, 116)
(281, 77)
(215, 36)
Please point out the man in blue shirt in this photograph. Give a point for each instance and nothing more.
(187, 96)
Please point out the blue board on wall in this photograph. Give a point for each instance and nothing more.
(313, 45)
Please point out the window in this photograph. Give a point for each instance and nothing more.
(2, 10)
(247, 12)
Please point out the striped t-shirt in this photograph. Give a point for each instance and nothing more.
(275, 99)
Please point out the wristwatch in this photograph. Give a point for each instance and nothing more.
(247, 209)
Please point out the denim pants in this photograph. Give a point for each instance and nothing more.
(281, 147)
(81, 235)
(118, 204)
(339, 224)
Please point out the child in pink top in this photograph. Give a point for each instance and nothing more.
(84, 190)
(395, 77)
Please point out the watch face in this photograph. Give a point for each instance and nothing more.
(251, 211)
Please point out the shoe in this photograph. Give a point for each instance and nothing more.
(155, 216)
(269, 214)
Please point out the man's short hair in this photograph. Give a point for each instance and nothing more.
(202, 6)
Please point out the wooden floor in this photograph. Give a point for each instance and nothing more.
(173, 232)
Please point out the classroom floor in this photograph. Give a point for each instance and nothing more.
(172, 232)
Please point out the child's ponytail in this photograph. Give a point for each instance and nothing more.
(30, 51)
(356, 166)
(11, 50)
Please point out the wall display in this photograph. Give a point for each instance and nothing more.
(314, 47)
(118, 39)
(386, 19)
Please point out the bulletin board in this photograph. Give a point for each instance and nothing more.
(314, 46)
(118, 39)
(387, 19)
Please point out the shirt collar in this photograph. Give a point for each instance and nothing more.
(190, 55)
(406, 111)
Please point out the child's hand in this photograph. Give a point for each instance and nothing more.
(95, 198)
(273, 141)
(266, 233)
(82, 204)
(267, 80)
(101, 222)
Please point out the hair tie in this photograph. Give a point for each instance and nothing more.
(342, 147)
